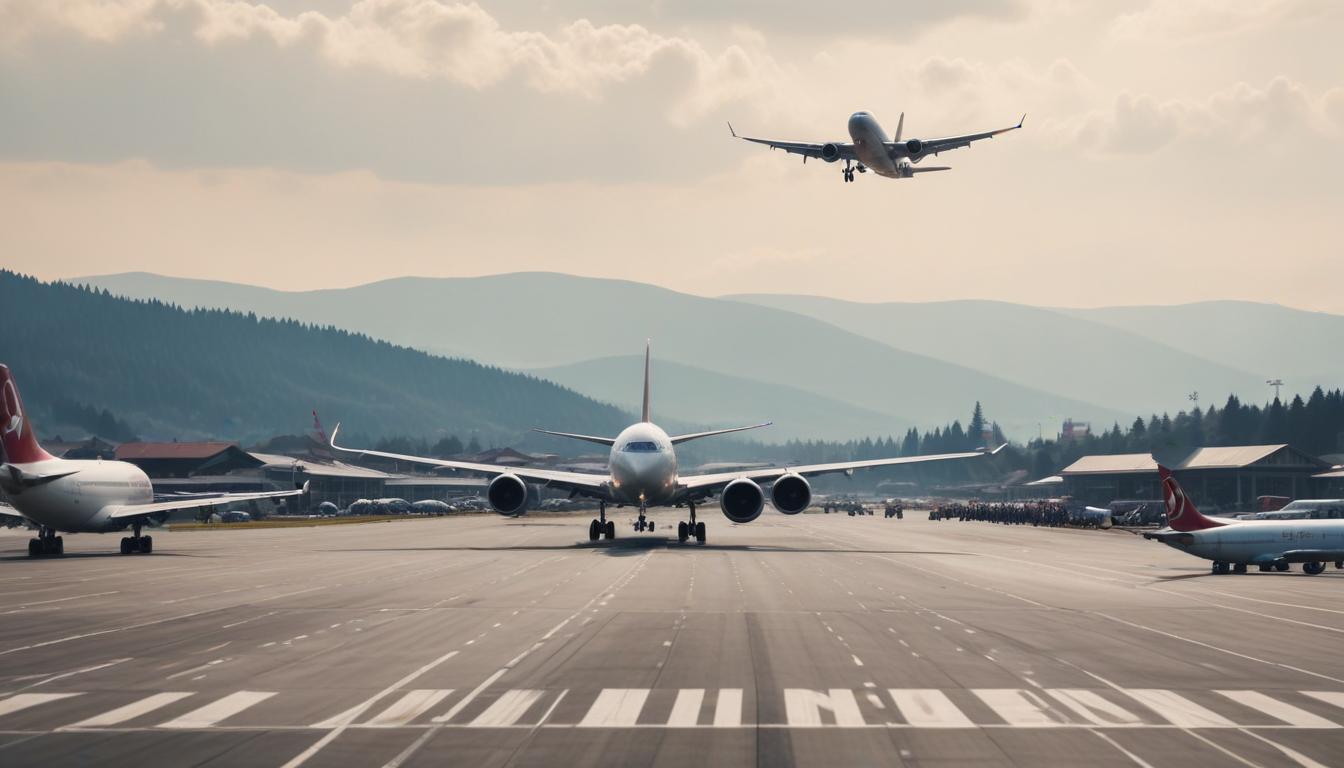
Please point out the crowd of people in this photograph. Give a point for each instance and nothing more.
(1038, 513)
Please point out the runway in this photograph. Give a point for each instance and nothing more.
(812, 639)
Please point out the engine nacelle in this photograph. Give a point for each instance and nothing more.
(914, 147)
(791, 494)
(830, 152)
(742, 500)
(507, 495)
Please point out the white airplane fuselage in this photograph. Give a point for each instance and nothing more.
(643, 465)
(75, 503)
(1260, 542)
(870, 145)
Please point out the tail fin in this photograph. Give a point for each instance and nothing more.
(16, 433)
(900, 127)
(644, 416)
(1181, 512)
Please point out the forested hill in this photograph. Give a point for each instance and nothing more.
(171, 373)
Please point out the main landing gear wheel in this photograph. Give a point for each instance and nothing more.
(130, 545)
(683, 532)
(47, 544)
(601, 527)
(1239, 568)
(700, 532)
(1281, 567)
(1220, 568)
(1312, 569)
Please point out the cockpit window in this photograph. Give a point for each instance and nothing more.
(641, 446)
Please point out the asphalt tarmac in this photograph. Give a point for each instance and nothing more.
(813, 640)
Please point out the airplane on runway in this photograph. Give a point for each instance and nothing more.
(643, 471)
(1233, 545)
(870, 148)
(70, 496)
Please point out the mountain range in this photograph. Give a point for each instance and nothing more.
(817, 367)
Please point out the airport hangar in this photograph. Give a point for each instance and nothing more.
(222, 467)
(1216, 477)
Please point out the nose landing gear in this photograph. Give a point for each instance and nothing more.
(643, 524)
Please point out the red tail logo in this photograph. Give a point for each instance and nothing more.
(1181, 512)
(16, 434)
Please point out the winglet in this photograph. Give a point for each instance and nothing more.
(900, 127)
(730, 130)
(644, 416)
(995, 452)
(1023, 120)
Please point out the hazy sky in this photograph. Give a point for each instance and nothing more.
(1174, 151)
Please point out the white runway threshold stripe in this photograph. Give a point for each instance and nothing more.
(131, 711)
(218, 711)
(1041, 708)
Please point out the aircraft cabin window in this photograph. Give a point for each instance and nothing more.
(642, 446)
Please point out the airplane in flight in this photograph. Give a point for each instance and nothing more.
(642, 471)
(871, 148)
(71, 496)
(1233, 545)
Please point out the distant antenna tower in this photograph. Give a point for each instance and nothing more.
(1275, 383)
(1193, 397)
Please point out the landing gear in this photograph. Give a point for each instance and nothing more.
(691, 529)
(1313, 569)
(1221, 568)
(1281, 567)
(47, 544)
(848, 171)
(130, 545)
(643, 524)
(601, 527)
(1239, 568)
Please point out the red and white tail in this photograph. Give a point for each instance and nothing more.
(16, 433)
(1181, 512)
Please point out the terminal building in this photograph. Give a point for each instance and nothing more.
(1231, 477)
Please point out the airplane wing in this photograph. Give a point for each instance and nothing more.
(1312, 555)
(697, 435)
(595, 485)
(121, 511)
(934, 146)
(846, 151)
(701, 485)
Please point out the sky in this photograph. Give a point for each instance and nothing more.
(1172, 152)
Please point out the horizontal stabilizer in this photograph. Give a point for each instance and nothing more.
(931, 169)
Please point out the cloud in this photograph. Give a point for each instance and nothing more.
(460, 43)
(1282, 116)
(1193, 19)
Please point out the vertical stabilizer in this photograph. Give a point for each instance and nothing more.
(16, 433)
(900, 127)
(1181, 512)
(644, 415)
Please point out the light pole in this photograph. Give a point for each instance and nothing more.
(1275, 383)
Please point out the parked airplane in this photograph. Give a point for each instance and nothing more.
(643, 471)
(1232, 545)
(82, 496)
(871, 148)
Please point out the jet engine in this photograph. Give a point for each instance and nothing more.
(830, 152)
(791, 494)
(507, 495)
(914, 147)
(742, 500)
